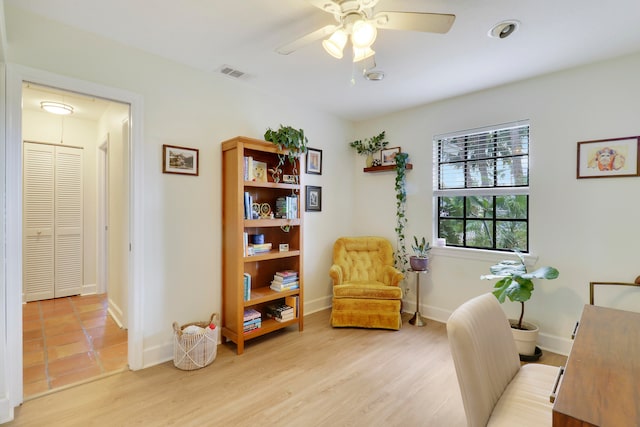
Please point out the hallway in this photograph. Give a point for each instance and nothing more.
(69, 340)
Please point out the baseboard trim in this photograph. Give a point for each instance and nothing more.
(116, 313)
(553, 343)
(89, 289)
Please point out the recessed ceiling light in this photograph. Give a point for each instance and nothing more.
(504, 29)
(56, 107)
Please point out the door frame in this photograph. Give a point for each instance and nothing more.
(15, 76)
(103, 215)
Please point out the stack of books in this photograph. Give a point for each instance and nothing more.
(280, 312)
(247, 286)
(252, 319)
(259, 248)
(286, 207)
(285, 280)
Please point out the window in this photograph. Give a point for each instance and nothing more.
(481, 180)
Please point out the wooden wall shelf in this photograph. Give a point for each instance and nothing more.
(385, 168)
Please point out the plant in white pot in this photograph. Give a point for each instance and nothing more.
(420, 261)
(516, 284)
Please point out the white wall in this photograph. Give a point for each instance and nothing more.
(182, 214)
(586, 228)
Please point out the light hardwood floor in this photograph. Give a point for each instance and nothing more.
(320, 377)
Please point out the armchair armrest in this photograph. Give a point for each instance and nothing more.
(335, 272)
(391, 276)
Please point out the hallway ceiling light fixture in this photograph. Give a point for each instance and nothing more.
(56, 108)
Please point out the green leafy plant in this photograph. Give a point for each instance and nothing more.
(401, 206)
(370, 145)
(288, 139)
(421, 247)
(515, 282)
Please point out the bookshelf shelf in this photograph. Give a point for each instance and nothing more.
(260, 269)
(385, 168)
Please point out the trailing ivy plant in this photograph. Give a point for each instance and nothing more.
(286, 138)
(401, 218)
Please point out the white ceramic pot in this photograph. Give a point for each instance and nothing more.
(525, 339)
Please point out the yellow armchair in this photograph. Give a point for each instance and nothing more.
(366, 291)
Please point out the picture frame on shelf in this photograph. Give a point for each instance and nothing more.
(259, 171)
(313, 198)
(180, 160)
(608, 158)
(314, 161)
(388, 156)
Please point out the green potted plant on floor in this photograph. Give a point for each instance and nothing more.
(516, 284)
(421, 248)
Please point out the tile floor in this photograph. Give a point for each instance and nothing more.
(69, 340)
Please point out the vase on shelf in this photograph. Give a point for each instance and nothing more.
(369, 161)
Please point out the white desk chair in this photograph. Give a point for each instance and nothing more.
(496, 390)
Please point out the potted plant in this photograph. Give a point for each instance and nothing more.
(516, 284)
(289, 140)
(421, 248)
(369, 146)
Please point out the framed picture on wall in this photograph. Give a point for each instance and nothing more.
(314, 161)
(314, 198)
(388, 156)
(180, 160)
(608, 158)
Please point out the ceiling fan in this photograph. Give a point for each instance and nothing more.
(358, 22)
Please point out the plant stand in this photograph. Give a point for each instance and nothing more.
(417, 319)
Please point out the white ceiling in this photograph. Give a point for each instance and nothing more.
(84, 107)
(419, 67)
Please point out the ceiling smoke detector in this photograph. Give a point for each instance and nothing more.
(374, 75)
(504, 29)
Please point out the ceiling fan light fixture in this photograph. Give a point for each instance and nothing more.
(360, 54)
(334, 45)
(56, 108)
(363, 34)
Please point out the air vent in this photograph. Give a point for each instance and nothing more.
(232, 72)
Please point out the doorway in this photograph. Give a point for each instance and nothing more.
(12, 334)
(77, 338)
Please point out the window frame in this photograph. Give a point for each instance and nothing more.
(470, 191)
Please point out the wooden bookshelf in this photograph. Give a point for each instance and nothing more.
(261, 266)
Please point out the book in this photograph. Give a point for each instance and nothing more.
(288, 287)
(251, 314)
(247, 288)
(286, 273)
(248, 168)
(285, 280)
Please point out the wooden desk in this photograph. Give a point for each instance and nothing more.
(601, 383)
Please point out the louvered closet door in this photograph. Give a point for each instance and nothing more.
(68, 221)
(38, 249)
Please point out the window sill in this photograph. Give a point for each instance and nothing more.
(481, 255)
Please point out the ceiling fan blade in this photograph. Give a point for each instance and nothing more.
(414, 21)
(307, 39)
(327, 5)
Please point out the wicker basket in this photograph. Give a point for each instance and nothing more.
(195, 351)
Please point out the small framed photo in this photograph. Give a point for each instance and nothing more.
(180, 160)
(314, 161)
(608, 158)
(314, 198)
(388, 156)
